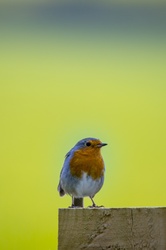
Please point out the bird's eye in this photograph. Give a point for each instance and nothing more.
(88, 144)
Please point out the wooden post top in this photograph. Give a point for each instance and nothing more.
(112, 228)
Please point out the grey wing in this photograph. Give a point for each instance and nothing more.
(60, 189)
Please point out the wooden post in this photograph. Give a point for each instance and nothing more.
(78, 202)
(112, 228)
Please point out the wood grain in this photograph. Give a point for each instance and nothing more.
(112, 228)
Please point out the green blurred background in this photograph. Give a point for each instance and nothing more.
(68, 70)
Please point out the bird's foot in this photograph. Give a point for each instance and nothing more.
(95, 206)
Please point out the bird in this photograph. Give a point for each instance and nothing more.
(82, 174)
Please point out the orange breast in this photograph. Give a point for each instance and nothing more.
(87, 160)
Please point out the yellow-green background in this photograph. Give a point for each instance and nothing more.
(68, 71)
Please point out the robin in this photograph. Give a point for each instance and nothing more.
(82, 174)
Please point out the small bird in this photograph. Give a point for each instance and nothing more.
(82, 174)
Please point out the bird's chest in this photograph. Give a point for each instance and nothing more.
(91, 165)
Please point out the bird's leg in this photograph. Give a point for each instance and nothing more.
(72, 204)
(93, 204)
(72, 201)
(76, 202)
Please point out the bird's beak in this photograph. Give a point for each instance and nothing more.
(101, 145)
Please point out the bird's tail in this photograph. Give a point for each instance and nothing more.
(60, 190)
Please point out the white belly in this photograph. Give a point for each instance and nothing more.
(88, 186)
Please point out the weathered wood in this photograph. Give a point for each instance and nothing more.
(112, 228)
